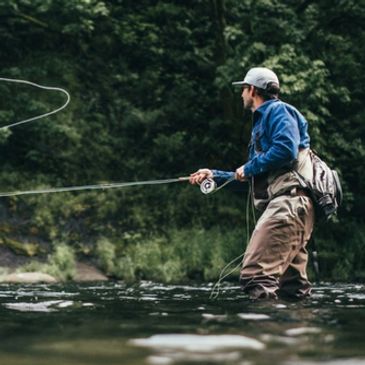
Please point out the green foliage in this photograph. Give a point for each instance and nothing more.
(33, 266)
(180, 255)
(105, 252)
(61, 263)
(341, 251)
(4, 134)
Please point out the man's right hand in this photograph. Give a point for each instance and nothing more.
(200, 175)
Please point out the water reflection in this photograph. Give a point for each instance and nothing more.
(150, 323)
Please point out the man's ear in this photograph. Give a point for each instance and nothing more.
(252, 91)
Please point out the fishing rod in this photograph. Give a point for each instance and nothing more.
(92, 187)
(208, 186)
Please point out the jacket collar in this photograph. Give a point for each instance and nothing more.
(261, 110)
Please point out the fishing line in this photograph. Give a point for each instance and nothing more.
(70, 188)
(49, 88)
(94, 187)
(252, 206)
(216, 288)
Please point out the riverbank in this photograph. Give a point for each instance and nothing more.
(83, 273)
(169, 256)
(16, 268)
(172, 257)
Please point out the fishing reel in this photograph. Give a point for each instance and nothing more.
(208, 186)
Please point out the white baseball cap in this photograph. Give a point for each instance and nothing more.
(259, 77)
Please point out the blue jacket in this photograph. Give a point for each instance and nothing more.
(279, 131)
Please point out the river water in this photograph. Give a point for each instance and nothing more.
(149, 323)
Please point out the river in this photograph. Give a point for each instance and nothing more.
(148, 323)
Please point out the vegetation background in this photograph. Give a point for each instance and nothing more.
(151, 99)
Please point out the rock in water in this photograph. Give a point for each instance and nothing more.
(28, 277)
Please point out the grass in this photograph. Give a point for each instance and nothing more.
(180, 255)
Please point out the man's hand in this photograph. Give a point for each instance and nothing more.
(200, 175)
(240, 174)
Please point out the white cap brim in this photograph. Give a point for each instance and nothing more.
(238, 83)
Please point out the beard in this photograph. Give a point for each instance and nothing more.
(248, 104)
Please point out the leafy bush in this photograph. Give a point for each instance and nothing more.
(61, 263)
(105, 252)
(179, 256)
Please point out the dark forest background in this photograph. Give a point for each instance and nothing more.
(150, 83)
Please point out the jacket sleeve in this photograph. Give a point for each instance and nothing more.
(283, 134)
(220, 177)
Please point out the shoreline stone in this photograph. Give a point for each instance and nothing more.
(86, 272)
(28, 278)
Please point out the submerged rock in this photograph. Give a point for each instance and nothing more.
(302, 331)
(28, 277)
(198, 343)
(253, 316)
(45, 306)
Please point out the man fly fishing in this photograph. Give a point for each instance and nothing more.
(276, 258)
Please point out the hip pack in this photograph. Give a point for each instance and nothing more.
(324, 187)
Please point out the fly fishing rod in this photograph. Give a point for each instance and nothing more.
(208, 186)
(92, 187)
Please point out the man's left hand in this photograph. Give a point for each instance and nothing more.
(240, 174)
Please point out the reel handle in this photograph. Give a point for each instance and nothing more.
(208, 186)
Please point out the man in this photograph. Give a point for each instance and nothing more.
(275, 260)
